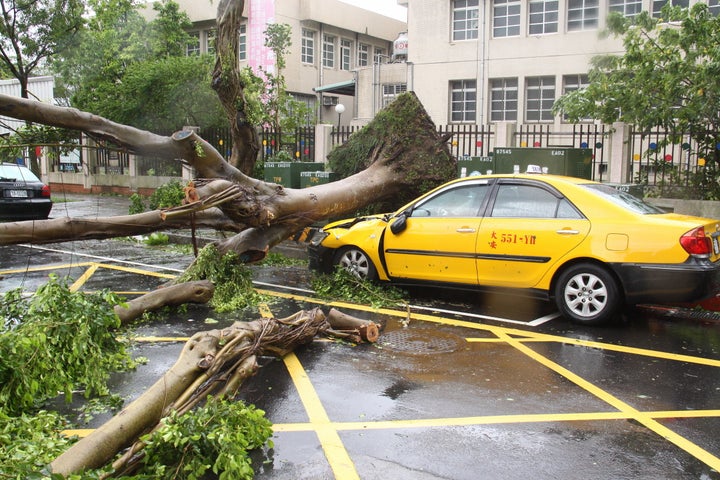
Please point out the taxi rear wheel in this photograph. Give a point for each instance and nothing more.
(355, 261)
(588, 294)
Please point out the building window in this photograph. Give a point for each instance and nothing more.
(242, 42)
(543, 17)
(463, 101)
(714, 7)
(210, 38)
(658, 4)
(307, 54)
(328, 51)
(379, 55)
(628, 8)
(573, 83)
(503, 99)
(345, 54)
(363, 59)
(539, 99)
(391, 91)
(506, 18)
(193, 46)
(583, 15)
(465, 19)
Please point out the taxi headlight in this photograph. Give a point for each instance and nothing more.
(318, 237)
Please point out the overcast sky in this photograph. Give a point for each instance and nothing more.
(386, 7)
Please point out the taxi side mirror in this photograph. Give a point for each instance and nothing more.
(399, 224)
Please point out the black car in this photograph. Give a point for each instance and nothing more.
(22, 195)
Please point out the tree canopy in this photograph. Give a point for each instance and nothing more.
(136, 72)
(31, 32)
(668, 76)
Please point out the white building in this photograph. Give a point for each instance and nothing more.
(330, 39)
(39, 88)
(486, 61)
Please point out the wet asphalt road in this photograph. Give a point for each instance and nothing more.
(472, 387)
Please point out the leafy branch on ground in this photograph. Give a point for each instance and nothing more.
(232, 279)
(344, 286)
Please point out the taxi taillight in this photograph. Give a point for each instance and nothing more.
(695, 242)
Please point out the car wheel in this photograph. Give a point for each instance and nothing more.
(356, 262)
(587, 294)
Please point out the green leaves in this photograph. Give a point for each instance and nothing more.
(344, 286)
(57, 341)
(216, 437)
(232, 279)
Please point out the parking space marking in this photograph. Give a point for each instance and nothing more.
(641, 417)
(335, 451)
(328, 432)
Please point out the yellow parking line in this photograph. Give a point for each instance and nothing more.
(641, 417)
(45, 268)
(497, 420)
(84, 277)
(519, 335)
(335, 452)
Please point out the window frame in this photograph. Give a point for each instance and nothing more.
(541, 85)
(328, 50)
(547, 26)
(346, 46)
(467, 88)
(242, 42)
(507, 13)
(588, 15)
(505, 88)
(307, 48)
(194, 48)
(465, 20)
(627, 8)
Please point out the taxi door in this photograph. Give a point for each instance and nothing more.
(527, 230)
(438, 243)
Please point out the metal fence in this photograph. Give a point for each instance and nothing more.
(297, 145)
(669, 161)
(468, 140)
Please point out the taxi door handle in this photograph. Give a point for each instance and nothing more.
(465, 230)
(567, 232)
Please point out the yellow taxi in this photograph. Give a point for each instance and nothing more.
(588, 246)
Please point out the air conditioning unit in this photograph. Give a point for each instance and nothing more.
(329, 101)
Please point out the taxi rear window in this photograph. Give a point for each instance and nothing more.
(623, 199)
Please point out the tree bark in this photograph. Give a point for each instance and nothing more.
(264, 214)
(211, 363)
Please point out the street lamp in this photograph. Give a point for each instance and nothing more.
(339, 108)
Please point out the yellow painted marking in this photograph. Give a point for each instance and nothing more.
(495, 420)
(338, 457)
(669, 435)
(85, 264)
(46, 268)
(519, 335)
(78, 432)
(138, 271)
(160, 339)
(481, 420)
(84, 277)
(265, 311)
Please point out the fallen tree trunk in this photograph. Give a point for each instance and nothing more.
(171, 296)
(404, 157)
(214, 363)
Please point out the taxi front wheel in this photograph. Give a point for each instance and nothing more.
(355, 261)
(588, 294)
